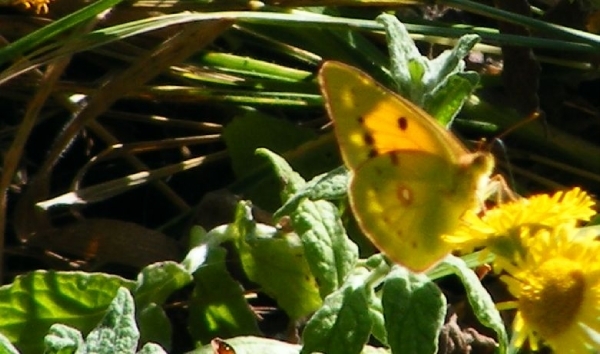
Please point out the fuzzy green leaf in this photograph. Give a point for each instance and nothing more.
(62, 339)
(414, 310)
(329, 186)
(343, 324)
(331, 255)
(117, 332)
(480, 300)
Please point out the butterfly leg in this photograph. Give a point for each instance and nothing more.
(498, 188)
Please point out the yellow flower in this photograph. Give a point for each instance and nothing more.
(499, 229)
(40, 6)
(557, 287)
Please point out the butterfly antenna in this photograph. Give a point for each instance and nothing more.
(498, 139)
(530, 118)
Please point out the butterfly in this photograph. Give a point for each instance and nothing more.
(412, 180)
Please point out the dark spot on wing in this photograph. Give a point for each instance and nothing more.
(373, 153)
(368, 138)
(402, 123)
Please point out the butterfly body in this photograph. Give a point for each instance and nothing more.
(412, 180)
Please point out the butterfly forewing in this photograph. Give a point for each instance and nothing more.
(370, 120)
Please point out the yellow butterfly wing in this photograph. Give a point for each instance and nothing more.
(370, 120)
(406, 200)
(412, 179)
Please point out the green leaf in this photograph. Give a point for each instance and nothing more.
(54, 29)
(154, 325)
(6, 346)
(376, 312)
(480, 300)
(414, 310)
(343, 324)
(217, 305)
(439, 86)
(291, 181)
(449, 98)
(277, 262)
(62, 339)
(117, 332)
(407, 64)
(260, 345)
(449, 62)
(255, 130)
(34, 302)
(152, 348)
(250, 345)
(311, 158)
(156, 282)
(329, 186)
(331, 255)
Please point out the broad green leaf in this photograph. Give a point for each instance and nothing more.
(117, 332)
(35, 301)
(277, 262)
(156, 282)
(343, 324)
(414, 310)
(217, 305)
(331, 255)
(260, 345)
(480, 300)
(311, 158)
(250, 345)
(255, 130)
(154, 325)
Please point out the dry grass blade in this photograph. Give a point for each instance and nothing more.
(191, 38)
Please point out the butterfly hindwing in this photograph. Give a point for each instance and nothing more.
(412, 203)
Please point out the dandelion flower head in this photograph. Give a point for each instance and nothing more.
(557, 287)
(499, 229)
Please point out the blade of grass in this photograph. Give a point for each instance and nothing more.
(50, 31)
(545, 27)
